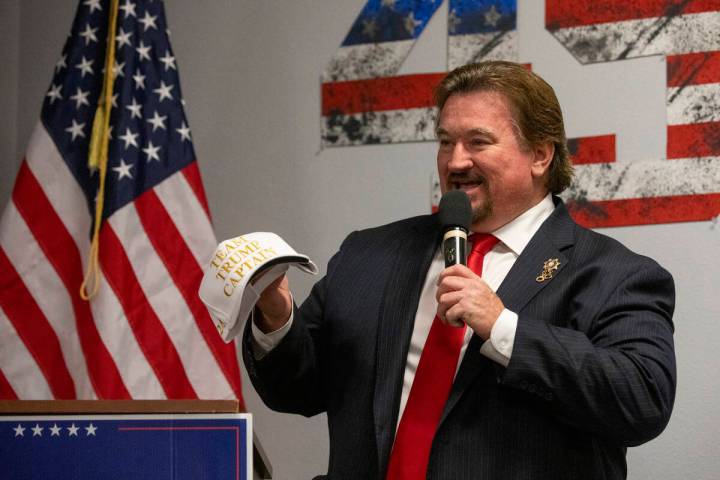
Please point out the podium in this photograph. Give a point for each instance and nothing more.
(172, 436)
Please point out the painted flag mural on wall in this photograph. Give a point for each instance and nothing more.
(685, 186)
(363, 103)
(145, 333)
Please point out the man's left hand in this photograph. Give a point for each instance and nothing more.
(463, 297)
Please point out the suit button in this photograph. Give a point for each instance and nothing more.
(524, 384)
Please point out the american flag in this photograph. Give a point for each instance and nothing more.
(145, 334)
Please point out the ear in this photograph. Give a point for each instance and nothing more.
(543, 155)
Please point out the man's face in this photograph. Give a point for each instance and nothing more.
(479, 153)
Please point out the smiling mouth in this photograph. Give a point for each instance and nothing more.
(466, 184)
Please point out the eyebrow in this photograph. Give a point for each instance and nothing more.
(475, 131)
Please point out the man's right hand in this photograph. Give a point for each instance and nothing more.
(274, 305)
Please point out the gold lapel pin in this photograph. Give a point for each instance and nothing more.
(549, 268)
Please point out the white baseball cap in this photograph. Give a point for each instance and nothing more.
(232, 283)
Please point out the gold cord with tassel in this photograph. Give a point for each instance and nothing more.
(98, 155)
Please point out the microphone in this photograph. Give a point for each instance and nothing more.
(455, 217)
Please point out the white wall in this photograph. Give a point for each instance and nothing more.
(10, 41)
(250, 75)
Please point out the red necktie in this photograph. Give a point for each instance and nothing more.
(431, 386)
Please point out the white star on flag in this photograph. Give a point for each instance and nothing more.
(85, 66)
(139, 79)
(169, 61)
(81, 98)
(118, 69)
(148, 21)
(72, 430)
(369, 28)
(93, 4)
(134, 108)
(54, 93)
(123, 170)
(143, 50)
(37, 430)
(123, 38)
(19, 431)
(128, 9)
(90, 429)
(492, 16)
(184, 132)
(129, 138)
(453, 21)
(89, 34)
(76, 129)
(164, 91)
(55, 430)
(61, 63)
(152, 152)
(411, 24)
(157, 121)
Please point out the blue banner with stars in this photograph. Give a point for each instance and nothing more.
(138, 447)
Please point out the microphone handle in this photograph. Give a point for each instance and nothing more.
(455, 246)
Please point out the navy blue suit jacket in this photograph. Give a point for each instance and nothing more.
(592, 369)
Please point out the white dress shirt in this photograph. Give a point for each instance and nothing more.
(514, 237)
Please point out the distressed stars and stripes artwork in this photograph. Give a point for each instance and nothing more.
(685, 185)
(364, 101)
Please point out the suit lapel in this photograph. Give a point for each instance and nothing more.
(519, 287)
(397, 317)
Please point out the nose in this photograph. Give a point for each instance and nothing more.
(460, 158)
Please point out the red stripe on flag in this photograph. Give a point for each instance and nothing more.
(34, 330)
(194, 179)
(60, 249)
(150, 333)
(693, 140)
(6, 390)
(187, 274)
(377, 94)
(381, 94)
(646, 211)
(598, 149)
(574, 13)
(693, 69)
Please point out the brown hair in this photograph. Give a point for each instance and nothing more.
(535, 108)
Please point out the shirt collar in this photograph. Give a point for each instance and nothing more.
(517, 233)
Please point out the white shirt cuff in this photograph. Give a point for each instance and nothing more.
(263, 343)
(502, 338)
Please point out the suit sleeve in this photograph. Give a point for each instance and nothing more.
(616, 378)
(289, 377)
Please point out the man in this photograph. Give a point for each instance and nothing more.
(567, 356)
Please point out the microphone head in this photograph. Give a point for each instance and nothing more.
(455, 210)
